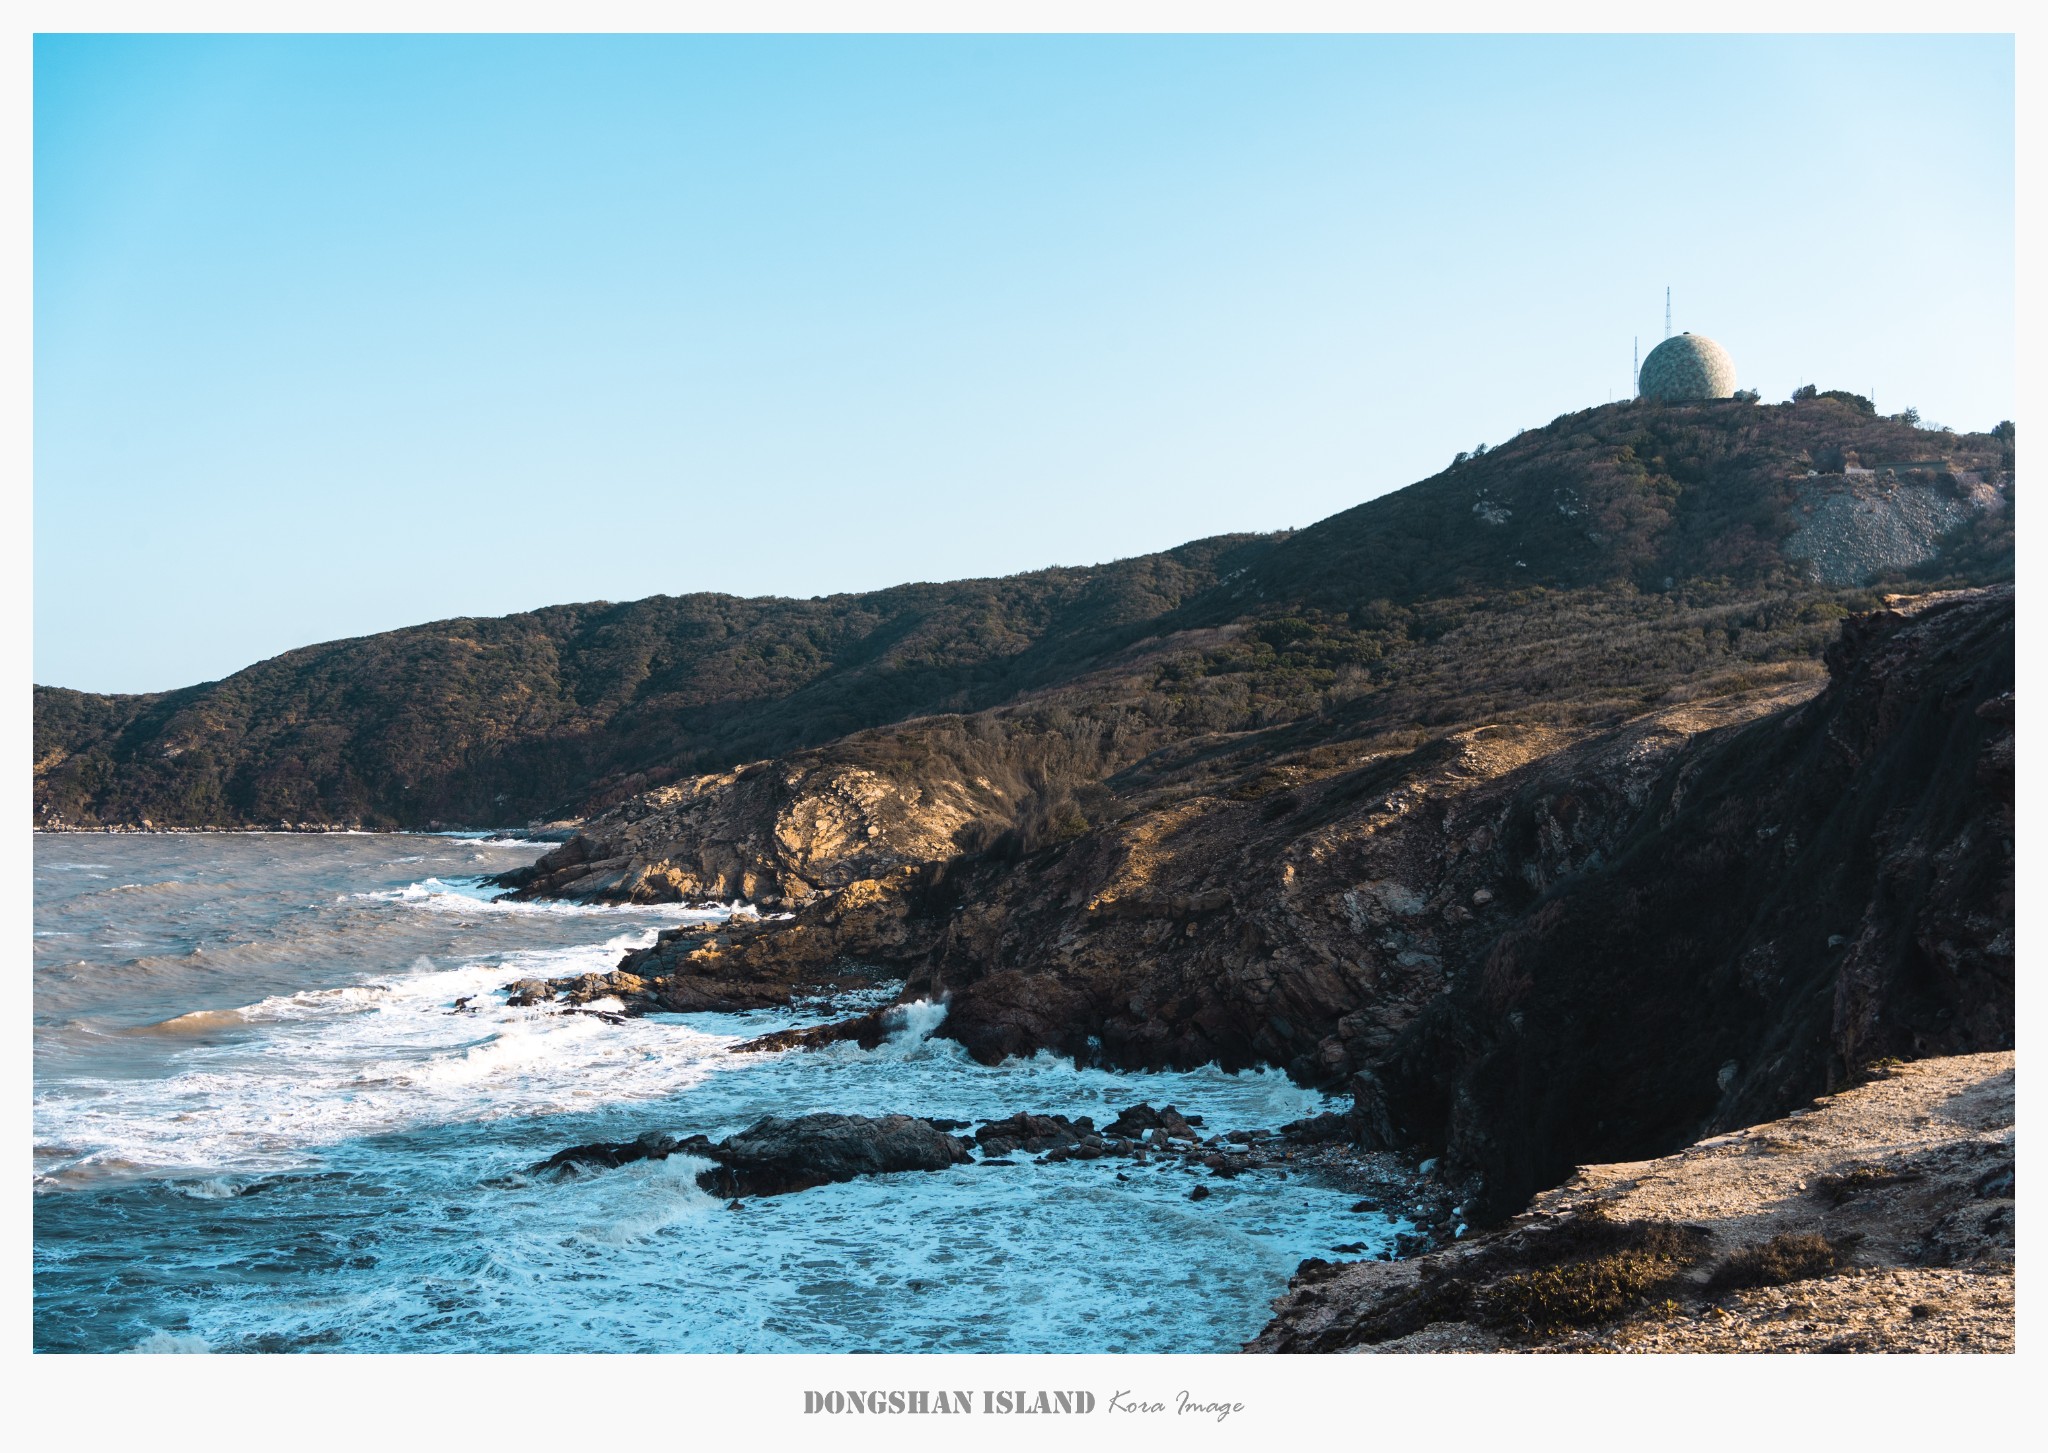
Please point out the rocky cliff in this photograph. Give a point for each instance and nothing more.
(1520, 947)
(1821, 889)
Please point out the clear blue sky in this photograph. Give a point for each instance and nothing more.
(337, 335)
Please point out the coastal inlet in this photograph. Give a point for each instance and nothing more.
(283, 1101)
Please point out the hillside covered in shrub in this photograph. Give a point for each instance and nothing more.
(1620, 559)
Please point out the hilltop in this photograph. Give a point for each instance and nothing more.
(1612, 559)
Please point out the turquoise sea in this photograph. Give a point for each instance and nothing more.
(262, 1124)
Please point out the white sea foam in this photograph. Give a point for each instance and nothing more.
(374, 1058)
(1108, 1255)
(473, 895)
(159, 1341)
(365, 1149)
(212, 1188)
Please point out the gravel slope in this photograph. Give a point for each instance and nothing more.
(1880, 1220)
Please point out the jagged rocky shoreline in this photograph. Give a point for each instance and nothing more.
(1518, 950)
(783, 1155)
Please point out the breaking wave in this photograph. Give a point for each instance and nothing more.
(320, 1133)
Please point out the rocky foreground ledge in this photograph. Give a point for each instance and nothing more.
(1878, 1220)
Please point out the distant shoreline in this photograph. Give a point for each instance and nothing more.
(537, 835)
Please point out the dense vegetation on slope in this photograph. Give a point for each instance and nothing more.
(499, 721)
(1639, 493)
(1620, 558)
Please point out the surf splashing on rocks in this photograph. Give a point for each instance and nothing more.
(344, 1161)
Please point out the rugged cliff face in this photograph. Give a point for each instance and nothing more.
(1797, 899)
(1521, 947)
(1533, 952)
(769, 833)
(777, 832)
(1299, 919)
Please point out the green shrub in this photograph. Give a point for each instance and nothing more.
(1835, 1189)
(1795, 1256)
(1580, 1293)
(1597, 1268)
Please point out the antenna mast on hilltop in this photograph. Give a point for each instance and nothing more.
(1667, 312)
(1635, 367)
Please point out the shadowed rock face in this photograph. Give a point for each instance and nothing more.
(1816, 891)
(1306, 926)
(1525, 961)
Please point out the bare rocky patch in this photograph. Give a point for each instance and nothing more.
(1879, 1219)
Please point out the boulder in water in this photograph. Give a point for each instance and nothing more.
(776, 1155)
(1032, 1133)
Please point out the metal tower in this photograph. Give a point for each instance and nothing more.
(1635, 367)
(1667, 312)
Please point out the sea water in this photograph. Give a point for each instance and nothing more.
(263, 1124)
